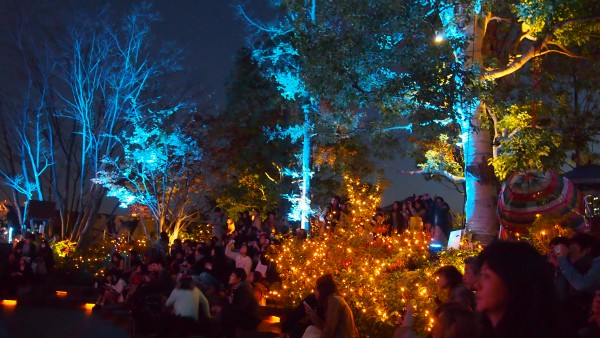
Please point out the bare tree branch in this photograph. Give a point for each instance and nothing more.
(535, 51)
(451, 177)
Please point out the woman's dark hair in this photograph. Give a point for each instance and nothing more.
(326, 286)
(531, 304)
(474, 263)
(186, 283)
(559, 240)
(240, 273)
(164, 236)
(257, 277)
(452, 275)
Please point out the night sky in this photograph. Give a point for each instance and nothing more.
(210, 32)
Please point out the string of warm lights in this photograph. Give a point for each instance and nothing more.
(378, 275)
(543, 229)
(93, 260)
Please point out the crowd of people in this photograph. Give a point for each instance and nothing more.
(213, 288)
(29, 260)
(415, 213)
(216, 288)
(510, 290)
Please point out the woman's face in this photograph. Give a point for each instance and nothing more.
(469, 278)
(492, 295)
(441, 281)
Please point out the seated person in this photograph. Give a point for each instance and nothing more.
(21, 277)
(189, 308)
(295, 322)
(112, 290)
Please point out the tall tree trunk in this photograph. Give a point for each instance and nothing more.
(481, 188)
(306, 171)
(90, 216)
(480, 183)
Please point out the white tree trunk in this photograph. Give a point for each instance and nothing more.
(306, 172)
(480, 183)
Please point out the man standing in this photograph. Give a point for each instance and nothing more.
(219, 225)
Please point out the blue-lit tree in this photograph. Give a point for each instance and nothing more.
(530, 30)
(109, 73)
(381, 56)
(83, 76)
(159, 168)
(280, 61)
(328, 141)
(24, 170)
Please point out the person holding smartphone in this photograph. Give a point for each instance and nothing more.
(338, 320)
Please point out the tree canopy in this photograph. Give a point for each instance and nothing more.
(379, 58)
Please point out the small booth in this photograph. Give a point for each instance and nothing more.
(38, 216)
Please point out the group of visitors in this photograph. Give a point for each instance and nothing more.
(247, 224)
(422, 213)
(213, 288)
(431, 215)
(30, 260)
(510, 290)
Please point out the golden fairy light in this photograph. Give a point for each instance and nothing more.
(377, 274)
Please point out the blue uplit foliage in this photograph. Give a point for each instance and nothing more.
(281, 62)
(157, 167)
(289, 85)
(78, 72)
(380, 56)
(294, 132)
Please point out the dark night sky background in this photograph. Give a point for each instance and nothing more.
(210, 32)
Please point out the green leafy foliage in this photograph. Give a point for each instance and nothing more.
(531, 147)
(247, 162)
